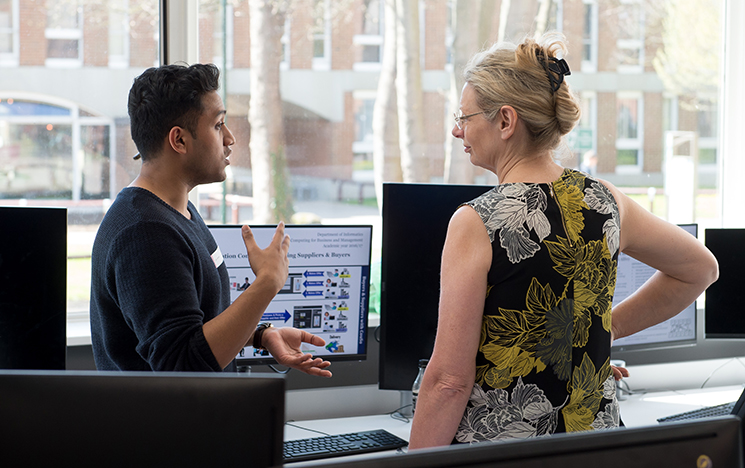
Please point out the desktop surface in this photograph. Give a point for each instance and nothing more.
(637, 411)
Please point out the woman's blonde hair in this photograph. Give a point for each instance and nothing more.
(518, 75)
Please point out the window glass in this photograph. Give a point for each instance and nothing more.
(627, 118)
(328, 114)
(63, 116)
(64, 129)
(7, 25)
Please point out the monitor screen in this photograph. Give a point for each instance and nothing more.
(33, 288)
(327, 291)
(712, 442)
(415, 220)
(127, 419)
(679, 330)
(723, 317)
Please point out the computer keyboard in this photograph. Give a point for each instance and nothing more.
(343, 444)
(707, 412)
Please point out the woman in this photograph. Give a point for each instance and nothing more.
(529, 268)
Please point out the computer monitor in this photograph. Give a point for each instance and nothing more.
(127, 419)
(415, 218)
(701, 443)
(723, 316)
(327, 291)
(33, 288)
(677, 331)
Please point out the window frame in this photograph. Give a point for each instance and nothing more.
(11, 59)
(70, 34)
(636, 143)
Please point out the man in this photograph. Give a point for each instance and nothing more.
(160, 292)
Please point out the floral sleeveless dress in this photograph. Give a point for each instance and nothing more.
(543, 364)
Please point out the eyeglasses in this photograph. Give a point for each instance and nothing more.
(460, 120)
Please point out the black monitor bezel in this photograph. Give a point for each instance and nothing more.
(33, 287)
(395, 373)
(713, 299)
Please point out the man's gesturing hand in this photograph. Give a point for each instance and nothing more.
(271, 263)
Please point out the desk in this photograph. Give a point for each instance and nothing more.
(644, 409)
(636, 410)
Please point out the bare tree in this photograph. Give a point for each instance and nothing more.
(414, 160)
(688, 62)
(272, 193)
(386, 152)
(516, 19)
(466, 42)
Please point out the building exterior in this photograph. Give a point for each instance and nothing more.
(66, 67)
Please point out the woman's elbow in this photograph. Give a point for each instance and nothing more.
(452, 385)
(710, 270)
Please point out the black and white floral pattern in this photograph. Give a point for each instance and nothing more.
(543, 364)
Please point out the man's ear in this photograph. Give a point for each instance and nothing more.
(176, 139)
(507, 121)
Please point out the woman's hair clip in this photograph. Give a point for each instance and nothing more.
(555, 68)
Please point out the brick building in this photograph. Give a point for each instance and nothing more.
(66, 67)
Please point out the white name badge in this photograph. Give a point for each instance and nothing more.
(217, 257)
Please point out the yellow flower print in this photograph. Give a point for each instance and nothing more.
(571, 200)
(586, 393)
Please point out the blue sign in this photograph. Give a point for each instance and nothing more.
(276, 316)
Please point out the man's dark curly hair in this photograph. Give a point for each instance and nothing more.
(165, 97)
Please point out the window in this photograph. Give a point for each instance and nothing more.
(370, 39)
(84, 156)
(64, 33)
(590, 36)
(582, 140)
(223, 24)
(364, 103)
(630, 42)
(629, 131)
(321, 34)
(9, 32)
(286, 35)
(64, 131)
(118, 34)
(708, 132)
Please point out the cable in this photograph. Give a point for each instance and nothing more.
(289, 423)
(715, 370)
(398, 416)
(271, 366)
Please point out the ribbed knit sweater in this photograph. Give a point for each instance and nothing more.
(153, 285)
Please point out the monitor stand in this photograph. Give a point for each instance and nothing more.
(405, 406)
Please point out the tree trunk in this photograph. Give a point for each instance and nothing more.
(541, 20)
(386, 152)
(272, 192)
(516, 19)
(414, 160)
(466, 13)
